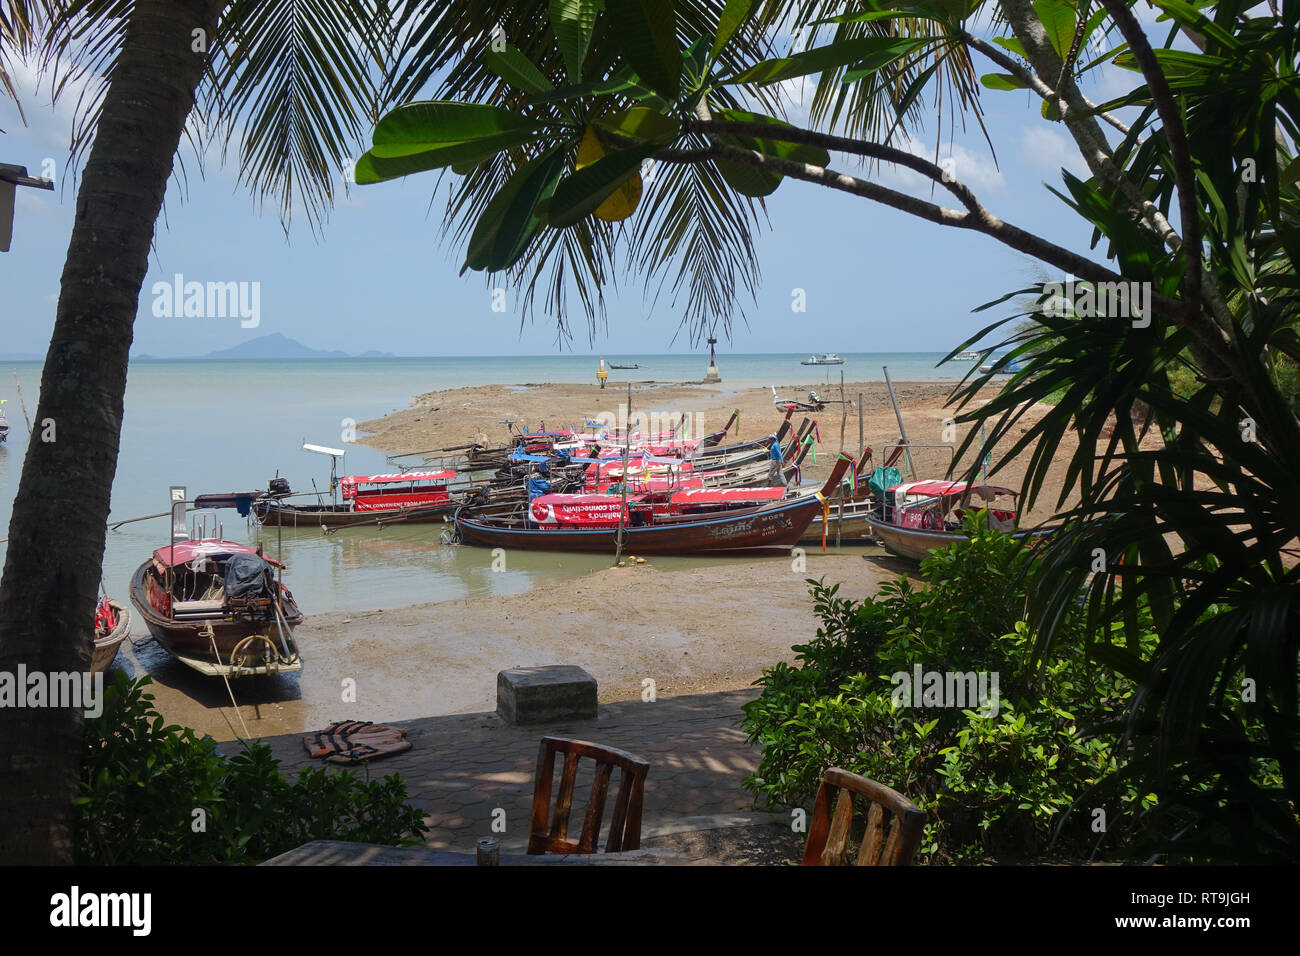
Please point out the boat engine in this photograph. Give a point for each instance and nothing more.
(278, 487)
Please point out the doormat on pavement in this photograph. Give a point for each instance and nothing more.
(353, 741)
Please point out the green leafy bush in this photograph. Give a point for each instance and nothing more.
(996, 782)
(153, 793)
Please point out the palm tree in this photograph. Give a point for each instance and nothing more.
(298, 78)
(56, 535)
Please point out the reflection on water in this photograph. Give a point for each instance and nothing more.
(363, 569)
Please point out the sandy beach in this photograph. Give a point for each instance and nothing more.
(707, 628)
(453, 417)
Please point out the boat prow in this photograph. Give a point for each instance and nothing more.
(109, 635)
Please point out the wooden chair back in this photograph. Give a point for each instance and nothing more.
(549, 833)
(828, 836)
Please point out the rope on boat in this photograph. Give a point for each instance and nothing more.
(229, 690)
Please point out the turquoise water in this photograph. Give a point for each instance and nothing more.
(231, 425)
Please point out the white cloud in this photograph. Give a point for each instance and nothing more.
(795, 96)
(976, 170)
(1049, 151)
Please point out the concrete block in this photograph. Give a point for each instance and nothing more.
(546, 694)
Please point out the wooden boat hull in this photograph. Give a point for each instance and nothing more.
(911, 543)
(768, 530)
(915, 544)
(106, 648)
(340, 516)
(190, 643)
(853, 526)
(772, 529)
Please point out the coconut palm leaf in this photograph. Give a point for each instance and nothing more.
(20, 23)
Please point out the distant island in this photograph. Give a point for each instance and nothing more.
(274, 346)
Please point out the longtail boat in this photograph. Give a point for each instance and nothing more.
(217, 607)
(592, 525)
(918, 517)
(112, 624)
(411, 497)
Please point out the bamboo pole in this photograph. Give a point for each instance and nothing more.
(844, 412)
(861, 441)
(902, 431)
(627, 446)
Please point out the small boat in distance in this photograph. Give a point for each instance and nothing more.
(1009, 369)
(633, 365)
(823, 358)
(967, 356)
(217, 607)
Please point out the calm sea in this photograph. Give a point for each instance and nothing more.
(216, 426)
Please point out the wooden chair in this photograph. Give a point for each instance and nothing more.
(829, 835)
(624, 825)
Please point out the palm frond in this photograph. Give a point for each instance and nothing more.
(296, 80)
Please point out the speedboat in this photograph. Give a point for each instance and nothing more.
(823, 358)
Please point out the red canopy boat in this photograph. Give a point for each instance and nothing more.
(772, 527)
(416, 496)
(217, 607)
(919, 516)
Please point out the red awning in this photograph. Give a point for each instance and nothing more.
(942, 489)
(727, 495)
(349, 482)
(184, 552)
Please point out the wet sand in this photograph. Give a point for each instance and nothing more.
(689, 631)
(713, 627)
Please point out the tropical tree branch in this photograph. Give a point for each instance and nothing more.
(1028, 77)
(1171, 120)
(843, 144)
(1211, 338)
(978, 218)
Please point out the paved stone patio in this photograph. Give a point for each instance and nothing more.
(463, 767)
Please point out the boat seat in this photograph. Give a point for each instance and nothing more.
(197, 608)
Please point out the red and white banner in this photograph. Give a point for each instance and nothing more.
(593, 511)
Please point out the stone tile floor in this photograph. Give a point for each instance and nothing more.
(465, 770)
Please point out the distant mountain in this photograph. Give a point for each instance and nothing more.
(273, 346)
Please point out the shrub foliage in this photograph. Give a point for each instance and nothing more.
(154, 794)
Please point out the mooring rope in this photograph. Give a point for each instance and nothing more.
(229, 690)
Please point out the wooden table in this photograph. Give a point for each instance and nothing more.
(338, 853)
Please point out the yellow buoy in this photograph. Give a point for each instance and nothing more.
(602, 373)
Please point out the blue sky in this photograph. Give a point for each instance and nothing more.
(379, 277)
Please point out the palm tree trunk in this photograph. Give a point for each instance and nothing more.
(56, 535)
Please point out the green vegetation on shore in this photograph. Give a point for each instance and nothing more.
(156, 794)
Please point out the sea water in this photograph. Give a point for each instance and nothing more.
(220, 426)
